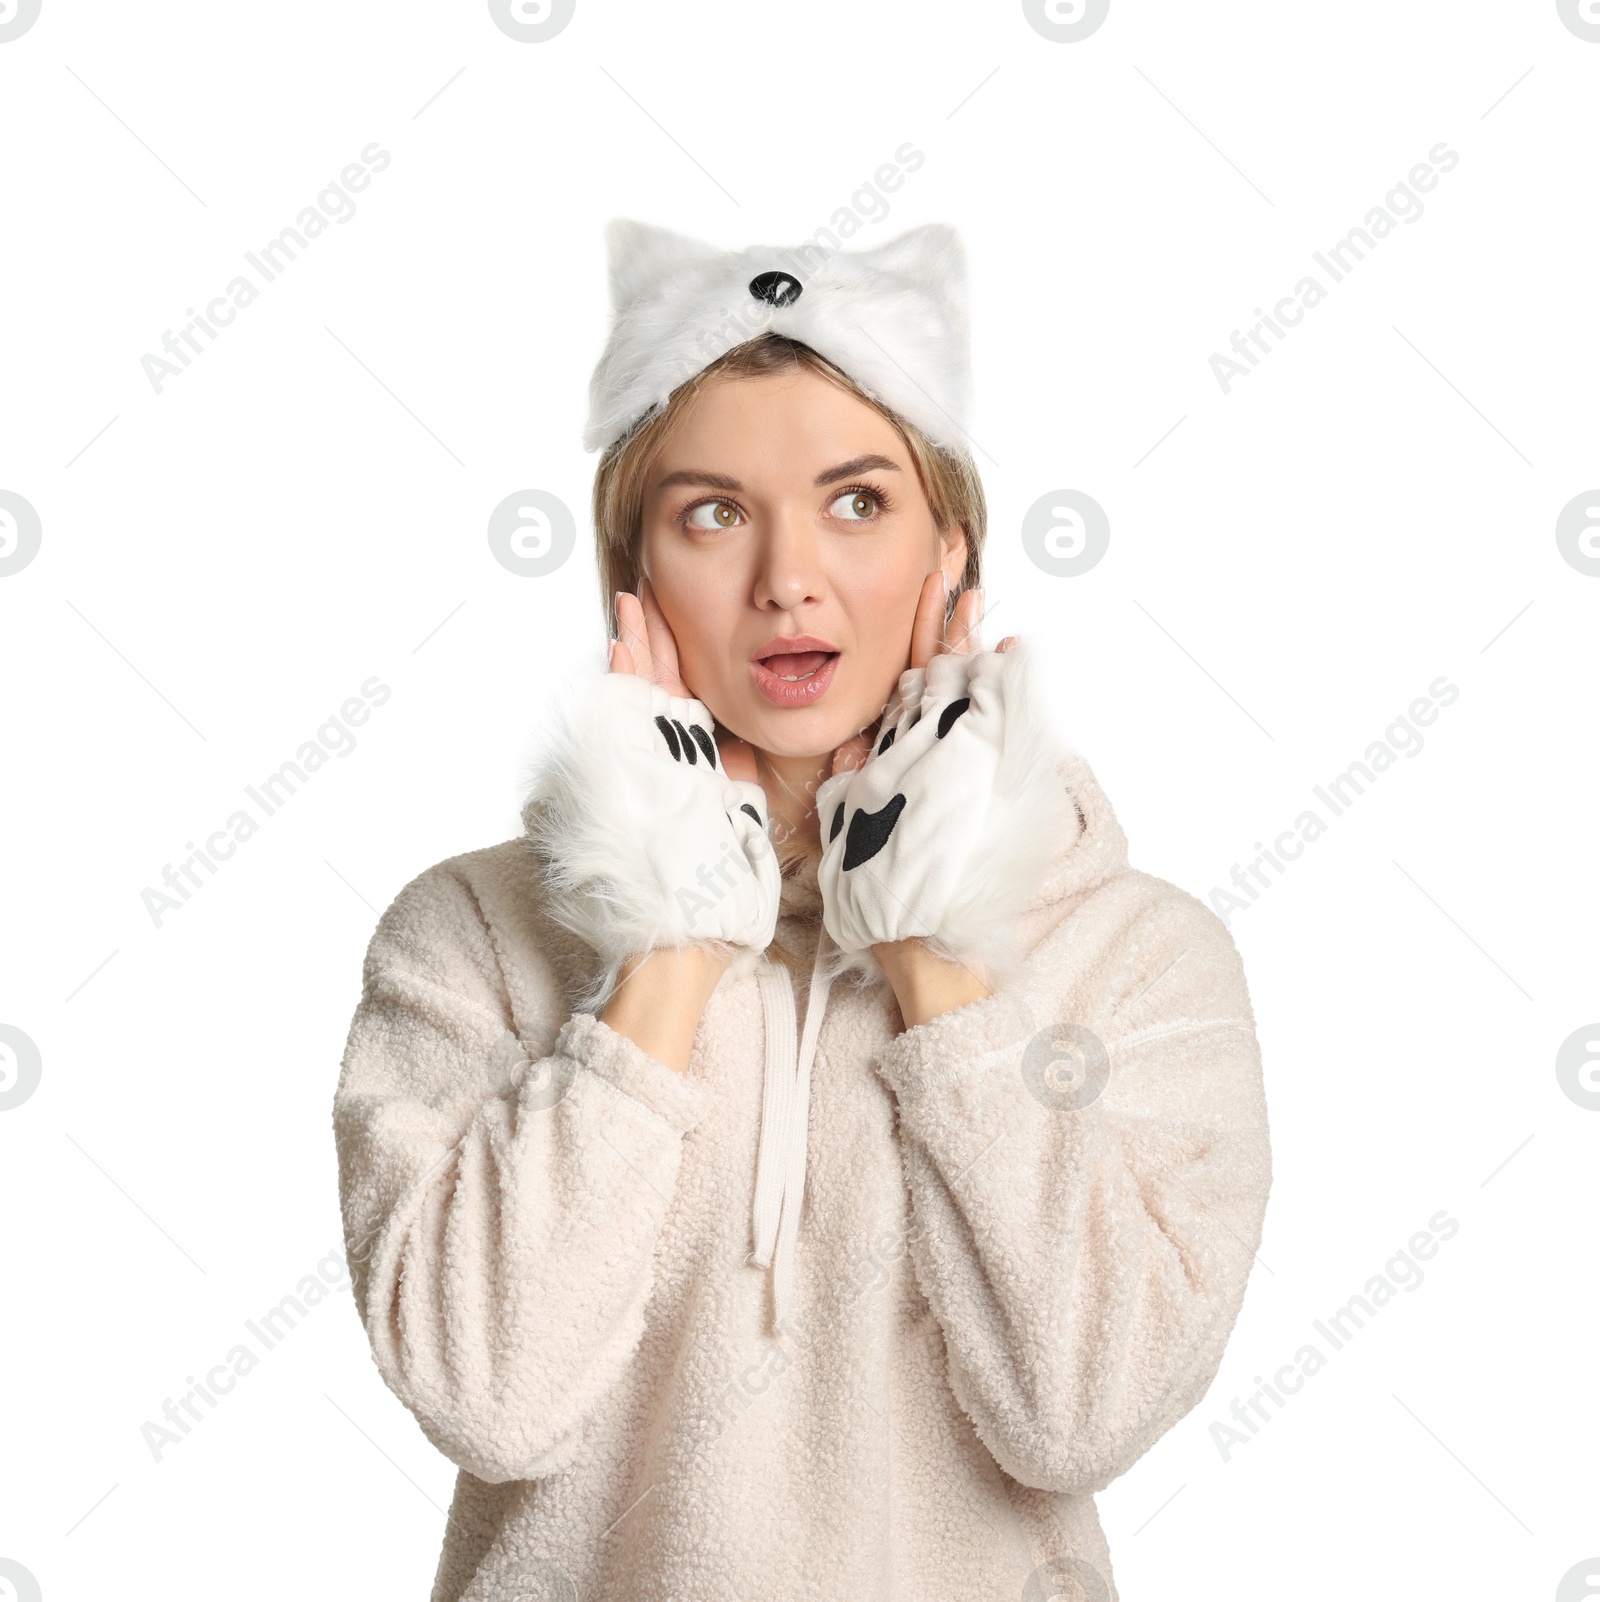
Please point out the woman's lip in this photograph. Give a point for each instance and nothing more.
(798, 692)
(790, 642)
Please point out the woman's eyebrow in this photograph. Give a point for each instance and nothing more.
(696, 475)
(861, 464)
(832, 475)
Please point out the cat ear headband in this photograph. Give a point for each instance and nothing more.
(893, 317)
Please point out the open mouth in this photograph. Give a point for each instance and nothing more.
(794, 678)
(797, 665)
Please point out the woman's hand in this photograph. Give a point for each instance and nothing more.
(660, 994)
(944, 825)
(649, 843)
(924, 983)
(928, 639)
(645, 645)
(928, 635)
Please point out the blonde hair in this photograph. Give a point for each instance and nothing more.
(948, 477)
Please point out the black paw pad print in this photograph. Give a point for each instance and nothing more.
(870, 831)
(681, 746)
(951, 713)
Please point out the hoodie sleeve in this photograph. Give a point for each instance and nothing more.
(500, 1215)
(1087, 1196)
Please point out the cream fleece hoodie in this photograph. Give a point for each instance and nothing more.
(1026, 1232)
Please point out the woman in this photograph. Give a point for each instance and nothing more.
(702, 1303)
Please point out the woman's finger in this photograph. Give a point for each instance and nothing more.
(631, 632)
(663, 647)
(965, 623)
(927, 627)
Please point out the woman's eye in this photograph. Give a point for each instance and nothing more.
(855, 506)
(713, 514)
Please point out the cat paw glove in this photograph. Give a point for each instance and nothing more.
(943, 832)
(644, 839)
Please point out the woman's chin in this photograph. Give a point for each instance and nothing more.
(804, 733)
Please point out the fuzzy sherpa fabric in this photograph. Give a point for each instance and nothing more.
(893, 317)
(1027, 1232)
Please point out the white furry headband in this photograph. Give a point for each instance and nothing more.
(894, 318)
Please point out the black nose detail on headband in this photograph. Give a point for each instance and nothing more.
(777, 289)
(869, 832)
(838, 819)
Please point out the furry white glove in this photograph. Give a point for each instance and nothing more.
(944, 830)
(647, 841)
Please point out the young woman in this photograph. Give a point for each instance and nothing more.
(705, 1304)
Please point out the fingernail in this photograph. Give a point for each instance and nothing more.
(611, 654)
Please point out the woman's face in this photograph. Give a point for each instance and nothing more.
(786, 508)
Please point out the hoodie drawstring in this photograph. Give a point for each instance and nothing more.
(785, 1111)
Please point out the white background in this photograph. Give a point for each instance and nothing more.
(225, 562)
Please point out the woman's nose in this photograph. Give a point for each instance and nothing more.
(789, 568)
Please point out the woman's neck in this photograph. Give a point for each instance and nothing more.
(791, 784)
